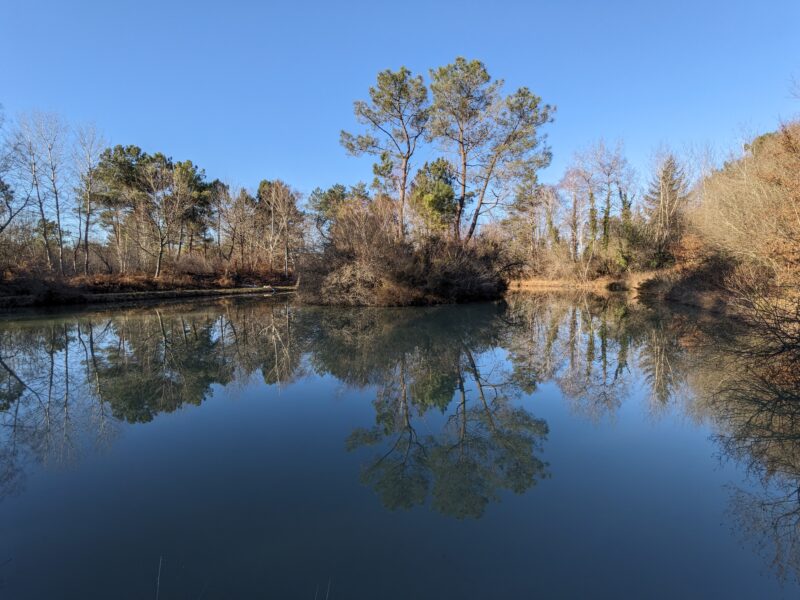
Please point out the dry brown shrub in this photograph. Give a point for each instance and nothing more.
(751, 207)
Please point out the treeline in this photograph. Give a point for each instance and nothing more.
(727, 238)
(72, 205)
(454, 211)
(739, 218)
(474, 214)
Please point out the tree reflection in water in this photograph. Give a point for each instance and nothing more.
(452, 426)
(751, 388)
(66, 384)
(485, 444)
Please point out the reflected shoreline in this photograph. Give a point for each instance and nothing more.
(69, 382)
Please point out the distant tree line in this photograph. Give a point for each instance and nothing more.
(72, 205)
(454, 211)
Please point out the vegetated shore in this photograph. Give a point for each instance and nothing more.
(130, 291)
(685, 285)
(129, 298)
(674, 285)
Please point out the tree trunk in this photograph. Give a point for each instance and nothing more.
(607, 220)
(86, 234)
(402, 194)
(286, 258)
(463, 199)
(476, 215)
(159, 259)
(120, 250)
(43, 218)
(574, 227)
(60, 236)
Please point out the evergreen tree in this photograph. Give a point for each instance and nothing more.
(395, 118)
(664, 206)
(433, 196)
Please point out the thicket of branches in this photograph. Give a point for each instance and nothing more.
(750, 215)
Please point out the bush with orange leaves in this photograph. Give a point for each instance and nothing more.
(750, 208)
(750, 213)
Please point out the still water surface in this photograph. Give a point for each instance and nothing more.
(249, 449)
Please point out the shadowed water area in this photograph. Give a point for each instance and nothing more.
(540, 446)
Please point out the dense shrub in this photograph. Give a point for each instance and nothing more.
(750, 208)
(400, 273)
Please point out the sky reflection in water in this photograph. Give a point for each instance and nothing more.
(550, 446)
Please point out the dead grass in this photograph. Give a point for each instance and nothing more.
(628, 283)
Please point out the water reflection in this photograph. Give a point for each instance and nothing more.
(593, 349)
(752, 390)
(482, 443)
(66, 384)
(453, 427)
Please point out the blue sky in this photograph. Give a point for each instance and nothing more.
(260, 90)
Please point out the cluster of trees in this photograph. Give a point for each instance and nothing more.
(71, 205)
(730, 234)
(416, 237)
(455, 208)
(474, 213)
(597, 221)
(734, 228)
(737, 240)
(489, 141)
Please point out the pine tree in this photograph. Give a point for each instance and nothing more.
(433, 195)
(664, 206)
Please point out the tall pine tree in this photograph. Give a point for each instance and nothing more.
(664, 206)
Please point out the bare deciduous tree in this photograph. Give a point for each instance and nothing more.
(52, 137)
(86, 157)
(28, 166)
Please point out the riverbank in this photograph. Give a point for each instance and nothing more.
(629, 284)
(690, 287)
(697, 286)
(128, 298)
(42, 293)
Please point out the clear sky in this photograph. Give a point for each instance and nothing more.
(253, 90)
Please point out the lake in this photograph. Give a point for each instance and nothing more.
(543, 446)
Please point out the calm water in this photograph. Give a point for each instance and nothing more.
(544, 447)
